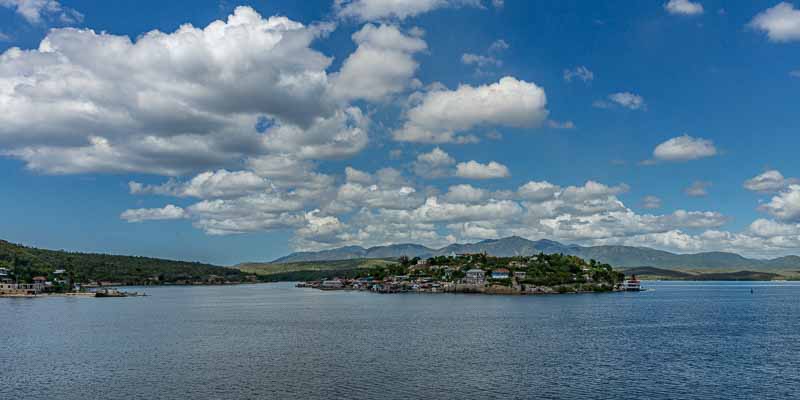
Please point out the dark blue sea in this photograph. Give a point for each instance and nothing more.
(696, 340)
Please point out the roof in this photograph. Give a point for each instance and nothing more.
(475, 270)
(501, 271)
(39, 278)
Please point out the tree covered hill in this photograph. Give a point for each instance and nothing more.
(84, 267)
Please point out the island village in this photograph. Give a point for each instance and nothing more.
(480, 273)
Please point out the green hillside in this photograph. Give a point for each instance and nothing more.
(85, 267)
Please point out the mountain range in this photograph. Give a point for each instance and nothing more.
(618, 256)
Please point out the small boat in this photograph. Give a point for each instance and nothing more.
(334, 284)
(110, 292)
(632, 285)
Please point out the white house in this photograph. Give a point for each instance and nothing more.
(475, 276)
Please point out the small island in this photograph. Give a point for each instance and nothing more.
(481, 273)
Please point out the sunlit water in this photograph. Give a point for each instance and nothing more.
(680, 340)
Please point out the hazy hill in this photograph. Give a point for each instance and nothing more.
(508, 247)
(618, 256)
(668, 274)
(354, 252)
(336, 265)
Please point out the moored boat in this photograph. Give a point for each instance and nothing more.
(631, 285)
(110, 292)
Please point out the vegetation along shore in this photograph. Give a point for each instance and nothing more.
(480, 273)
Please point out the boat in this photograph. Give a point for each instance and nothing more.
(334, 284)
(110, 292)
(632, 285)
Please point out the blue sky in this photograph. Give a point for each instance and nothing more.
(664, 124)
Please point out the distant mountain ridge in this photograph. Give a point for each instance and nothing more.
(618, 256)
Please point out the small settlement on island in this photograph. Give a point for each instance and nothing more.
(479, 273)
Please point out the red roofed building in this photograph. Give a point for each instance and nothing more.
(500, 273)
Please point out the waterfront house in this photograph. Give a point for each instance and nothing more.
(41, 282)
(475, 276)
(500, 273)
(4, 272)
(21, 289)
(520, 275)
(517, 264)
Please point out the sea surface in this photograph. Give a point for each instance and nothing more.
(680, 340)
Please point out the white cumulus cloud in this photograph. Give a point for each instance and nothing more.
(370, 10)
(442, 115)
(628, 100)
(698, 189)
(785, 205)
(781, 23)
(37, 12)
(382, 65)
(210, 184)
(769, 182)
(434, 164)
(684, 148)
(153, 214)
(580, 72)
(174, 103)
(651, 202)
(683, 7)
(475, 170)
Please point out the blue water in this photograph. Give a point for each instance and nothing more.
(682, 340)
